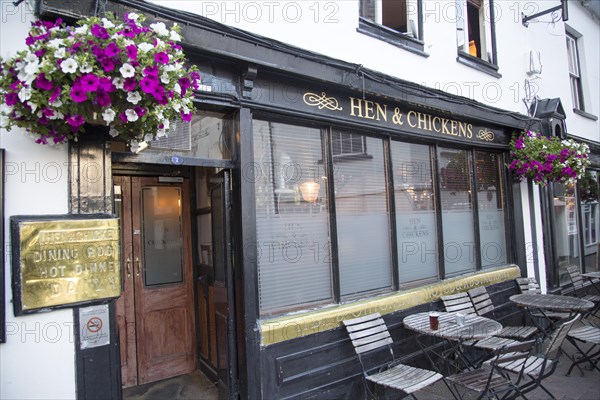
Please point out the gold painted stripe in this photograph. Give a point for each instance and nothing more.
(280, 329)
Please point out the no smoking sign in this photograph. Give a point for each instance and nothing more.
(94, 326)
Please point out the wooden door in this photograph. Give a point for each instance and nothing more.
(156, 312)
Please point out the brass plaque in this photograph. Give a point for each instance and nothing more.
(66, 261)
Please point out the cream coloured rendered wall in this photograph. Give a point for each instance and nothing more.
(38, 359)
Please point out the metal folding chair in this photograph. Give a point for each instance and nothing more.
(369, 334)
(483, 305)
(589, 334)
(580, 291)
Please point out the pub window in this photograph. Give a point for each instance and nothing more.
(292, 219)
(588, 191)
(363, 225)
(475, 29)
(566, 246)
(416, 221)
(490, 208)
(574, 72)
(457, 211)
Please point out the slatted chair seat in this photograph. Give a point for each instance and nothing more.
(534, 368)
(588, 334)
(577, 282)
(483, 305)
(488, 380)
(369, 334)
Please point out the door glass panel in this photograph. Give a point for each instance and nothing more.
(588, 196)
(566, 227)
(162, 240)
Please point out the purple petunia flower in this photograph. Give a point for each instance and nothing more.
(148, 84)
(98, 51)
(112, 50)
(89, 82)
(151, 71)
(47, 112)
(140, 111)
(11, 98)
(55, 94)
(106, 85)
(75, 121)
(107, 64)
(40, 52)
(187, 117)
(123, 117)
(132, 52)
(100, 32)
(103, 99)
(43, 120)
(184, 82)
(42, 83)
(129, 84)
(161, 58)
(78, 94)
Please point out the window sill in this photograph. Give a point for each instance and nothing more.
(585, 114)
(391, 36)
(478, 64)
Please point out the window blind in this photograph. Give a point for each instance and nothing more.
(362, 216)
(293, 251)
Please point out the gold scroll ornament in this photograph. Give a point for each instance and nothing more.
(69, 261)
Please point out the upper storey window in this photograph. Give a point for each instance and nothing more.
(398, 22)
(475, 36)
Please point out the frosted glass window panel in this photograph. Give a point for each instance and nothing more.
(209, 135)
(457, 211)
(566, 228)
(292, 219)
(362, 215)
(415, 212)
(490, 201)
(162, 235)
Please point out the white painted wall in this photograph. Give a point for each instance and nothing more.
(329, 27)
(38, 359)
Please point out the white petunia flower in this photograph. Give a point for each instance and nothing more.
(24, 94)
(131, 115)
(133, 16)
(177, 88)
(134, 97)
(160, 28)
(82, 30)
(32, 105)
(164, 78)
(145, 47)
(128, 42)
(169, 68)
(176, 106)
(69, 66)
(56, 103)
(5, 109)
(107, 24)
(161, 133)
(148, 137)
(32, 58)
(118, 82)
(32, 68)
(56, 43)
(60, 53)
(108, 115)
(4, 121)
(127, 70)
(25, 77)
(85, 68)
(166, 124)
(174, 36)
(134, 146)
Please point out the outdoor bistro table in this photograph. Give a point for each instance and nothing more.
(593, 277)
(474, 328)
(550, 302)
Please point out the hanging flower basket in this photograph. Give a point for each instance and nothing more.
(547, 159)
(120, 74)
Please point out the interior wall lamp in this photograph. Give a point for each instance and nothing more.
(310, 191)
(563, 7)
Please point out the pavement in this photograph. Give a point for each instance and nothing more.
(197, 386)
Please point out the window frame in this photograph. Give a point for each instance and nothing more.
(487, 36)
(575, 78)
(369, 24)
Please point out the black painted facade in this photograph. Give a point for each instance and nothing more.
(256, 77)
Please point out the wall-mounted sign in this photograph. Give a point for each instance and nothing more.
(62, 261)
(95, 331)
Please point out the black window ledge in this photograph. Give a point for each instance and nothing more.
(585, 114)
(478, 64)
(391, 36)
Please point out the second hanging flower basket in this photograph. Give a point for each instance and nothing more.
(121, 74)
(547, 159)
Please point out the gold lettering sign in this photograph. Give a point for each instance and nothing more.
(67, 262)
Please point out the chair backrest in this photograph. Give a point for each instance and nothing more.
(513, 352)
(481, 300)
(458, 302)
(575, 277)
(368, 333)
(558, 336)
(528, 285)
